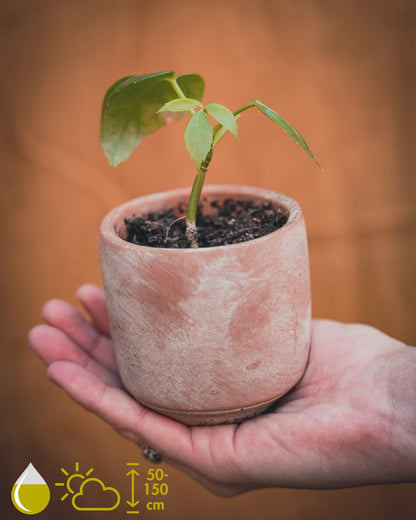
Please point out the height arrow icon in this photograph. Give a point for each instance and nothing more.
(133, 473)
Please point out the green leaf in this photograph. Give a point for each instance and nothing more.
(130, 106)
(192, 85)
(287, 127)
(180, 105)
(198, 137)
(224, 116)
(220, 134)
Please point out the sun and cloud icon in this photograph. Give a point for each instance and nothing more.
(88, 493)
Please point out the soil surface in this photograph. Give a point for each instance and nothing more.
(225, 222)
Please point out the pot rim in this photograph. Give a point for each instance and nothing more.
(109, 232)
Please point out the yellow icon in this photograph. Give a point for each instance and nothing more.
(109, 498)
(30, 493)
(132, 474)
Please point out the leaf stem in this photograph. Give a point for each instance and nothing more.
(179, 91)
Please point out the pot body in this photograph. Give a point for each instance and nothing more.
(209, 335)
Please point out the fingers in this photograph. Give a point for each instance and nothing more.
(81, 360)
(121, 411)
(68, 319)
(135, 422)
(52, 344)
(93, 300)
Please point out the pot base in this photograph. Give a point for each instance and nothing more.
(213, 417)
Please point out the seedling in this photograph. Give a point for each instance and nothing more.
(136, 106)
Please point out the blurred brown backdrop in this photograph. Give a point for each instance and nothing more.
(342, 72)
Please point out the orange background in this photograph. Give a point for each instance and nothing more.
(342, 72)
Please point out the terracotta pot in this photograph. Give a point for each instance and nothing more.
(209, 335)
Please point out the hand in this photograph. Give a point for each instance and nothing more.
(350, 421)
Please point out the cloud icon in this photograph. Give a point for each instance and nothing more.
(107, 497)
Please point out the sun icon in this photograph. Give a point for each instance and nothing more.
(70, 478)
(105, 498)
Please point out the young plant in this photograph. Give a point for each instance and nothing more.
(136, 106)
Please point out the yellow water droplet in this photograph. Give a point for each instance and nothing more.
(30, 493)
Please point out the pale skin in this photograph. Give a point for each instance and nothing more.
(350, 421)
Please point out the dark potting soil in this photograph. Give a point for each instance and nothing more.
(228, 222)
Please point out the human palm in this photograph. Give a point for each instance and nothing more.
(336, 428)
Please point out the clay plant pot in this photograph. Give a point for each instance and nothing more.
(209, 335)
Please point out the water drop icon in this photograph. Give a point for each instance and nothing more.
(30, 493)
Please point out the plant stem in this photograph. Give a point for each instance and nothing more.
(195, 195)
(191, 231)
